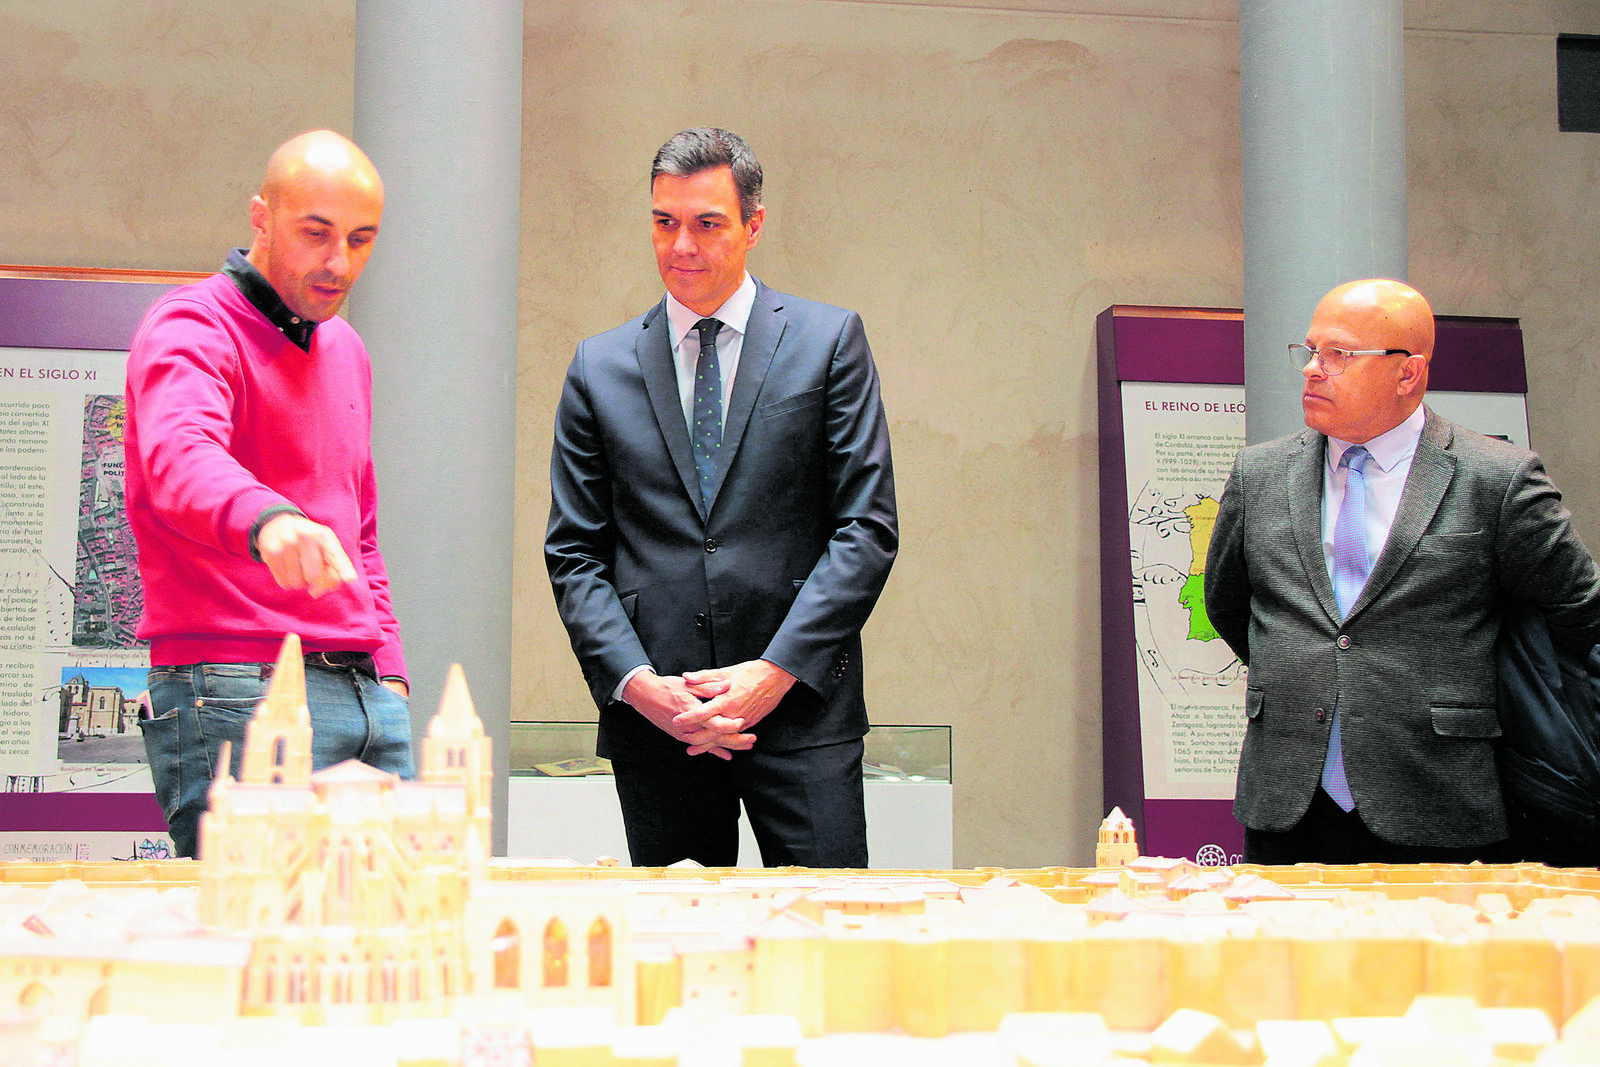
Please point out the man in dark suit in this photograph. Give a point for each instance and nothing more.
(1369, 631)
(714, 585)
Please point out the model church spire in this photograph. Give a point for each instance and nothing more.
(456, 750)
(277, 747)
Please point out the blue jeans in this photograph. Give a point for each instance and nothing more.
(198, 706)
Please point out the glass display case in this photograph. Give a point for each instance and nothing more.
(563, 803)
(555, 749)
(566, 750)
(908, 754)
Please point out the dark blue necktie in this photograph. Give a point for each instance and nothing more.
(706, 410)
(1351, 566)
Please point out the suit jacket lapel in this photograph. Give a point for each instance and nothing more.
(1431, 470)
(1305, 515)
(761, 336)
(654, 352)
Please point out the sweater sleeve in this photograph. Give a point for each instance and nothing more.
(390, 657)
(182, 378)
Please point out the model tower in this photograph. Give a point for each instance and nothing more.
(1118, 845)
(458, 753)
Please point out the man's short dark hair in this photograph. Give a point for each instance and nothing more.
(705, 147)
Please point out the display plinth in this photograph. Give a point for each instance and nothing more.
(563, 802)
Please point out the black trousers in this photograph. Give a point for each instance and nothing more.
(1329, 834)
(805, 806)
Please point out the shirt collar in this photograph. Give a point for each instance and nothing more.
(256, 289)
(734, 312)
(1389, 447)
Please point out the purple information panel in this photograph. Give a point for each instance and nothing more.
(1172, 692)
(72, 764)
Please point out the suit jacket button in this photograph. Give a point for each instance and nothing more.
(1344, 640)
(700, 621)
(711, 544)
(1321, 715)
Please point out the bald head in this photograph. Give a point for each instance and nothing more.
(1389, 314)
(314, 221)
(319, 156)
(1391, 324)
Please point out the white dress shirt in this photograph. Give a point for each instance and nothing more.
(734, 314)
(1385, 475)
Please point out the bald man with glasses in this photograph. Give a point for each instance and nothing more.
(1361, 568)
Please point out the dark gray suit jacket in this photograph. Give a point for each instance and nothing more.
(1479, 526)
(787, 562)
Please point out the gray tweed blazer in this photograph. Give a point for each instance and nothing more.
(1480, 526)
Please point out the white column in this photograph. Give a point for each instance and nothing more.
(438, 107)
(1324, 158)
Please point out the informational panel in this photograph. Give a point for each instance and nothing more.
(72, 760)
(1172, 417)
(1180, 441)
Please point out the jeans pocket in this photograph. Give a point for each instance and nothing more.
(161, 749)
(225, 699)
(389, 730)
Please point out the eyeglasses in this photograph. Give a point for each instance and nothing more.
(1332, 361)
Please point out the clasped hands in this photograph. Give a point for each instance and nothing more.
(711, 710)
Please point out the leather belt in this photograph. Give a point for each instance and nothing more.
(357, 661)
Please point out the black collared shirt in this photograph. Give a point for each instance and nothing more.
(260, 292)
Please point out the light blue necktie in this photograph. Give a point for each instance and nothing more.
(706, 409)
(1351, 566)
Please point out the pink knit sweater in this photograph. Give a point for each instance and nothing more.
(225, 418)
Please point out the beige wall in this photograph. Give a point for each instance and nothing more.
(979, 180)
(133, 132)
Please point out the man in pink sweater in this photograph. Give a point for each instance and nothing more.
(250, 488)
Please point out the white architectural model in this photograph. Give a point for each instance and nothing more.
(351, 918)
(357, 890)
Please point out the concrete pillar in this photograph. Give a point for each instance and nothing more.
(438, 107)
(1323, 138)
